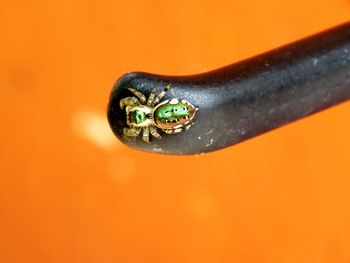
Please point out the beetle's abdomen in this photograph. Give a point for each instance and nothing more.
(173, 113)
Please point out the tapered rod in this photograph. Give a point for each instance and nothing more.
(245, 99)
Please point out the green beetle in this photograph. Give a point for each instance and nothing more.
(146, 115)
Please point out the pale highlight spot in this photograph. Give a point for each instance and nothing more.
(174, 101)
(93, 127)
(210, 143)
(202, 205)
(121, 168)
(209, 132)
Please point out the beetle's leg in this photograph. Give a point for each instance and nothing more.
(172, 131)
(154, 132)
(131, 132)
(145, 134)
(139, 95)
(151, 97)
(129, 101)
(168, 131)
(161, 95)
(188, 126)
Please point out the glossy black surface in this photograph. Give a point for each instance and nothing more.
(246, 99)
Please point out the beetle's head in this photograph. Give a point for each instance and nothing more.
(139, 116)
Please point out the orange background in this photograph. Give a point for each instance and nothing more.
(70, 192)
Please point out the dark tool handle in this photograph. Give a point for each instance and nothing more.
(248, 98)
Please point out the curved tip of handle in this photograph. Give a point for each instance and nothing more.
(179, 133)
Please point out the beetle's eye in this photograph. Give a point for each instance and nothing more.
(148, 116)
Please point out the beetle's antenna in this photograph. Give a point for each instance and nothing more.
(161, 95)
(151, 97)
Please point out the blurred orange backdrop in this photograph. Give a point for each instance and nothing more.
(70, 192)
